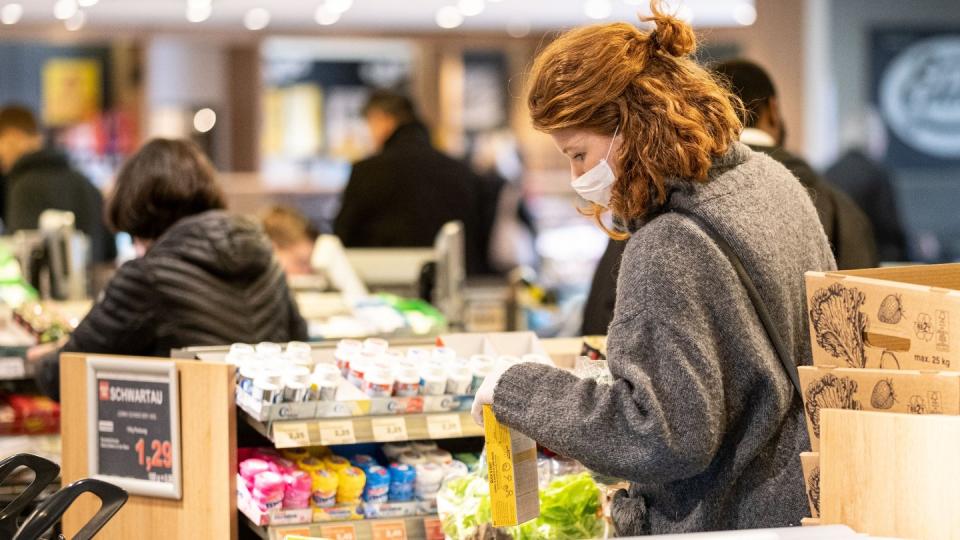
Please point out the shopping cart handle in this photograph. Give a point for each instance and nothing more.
(50, 511)
(46, 472)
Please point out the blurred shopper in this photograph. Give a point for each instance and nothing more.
(293, 238)
(860, 173)
(41, 179)
(404, 194)
(598, 309)
(507, 229)
(701, 415)
(204, 277)
(848, 228)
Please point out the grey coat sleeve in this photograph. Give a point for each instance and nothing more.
(663, 418)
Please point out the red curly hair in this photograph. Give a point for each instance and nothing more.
(674, 116)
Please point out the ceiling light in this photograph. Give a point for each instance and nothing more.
(11, 13)
(204, 120)
(745, 14)
(597, 9)
(256, 19)
(324, 16)
(76, 22)
(199, 12)
(64, 9)
(338, 6)
(449, 17)
(87, 3)
(469, 8)
(518, 28)
(635, 2)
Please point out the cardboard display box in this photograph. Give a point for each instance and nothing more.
(876, 390)
(810, 461)
(891, 318)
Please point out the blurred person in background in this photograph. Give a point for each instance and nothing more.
(861, 174)
(508, 232)
(203, 277)
(404, 194)
(848, 228)
(701, 415)
(39, 178)
(293, 238)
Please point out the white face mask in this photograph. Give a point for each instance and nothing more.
(595, 184)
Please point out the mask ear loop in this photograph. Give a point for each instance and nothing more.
(609, 150)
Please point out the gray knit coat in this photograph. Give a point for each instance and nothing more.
(701, 417)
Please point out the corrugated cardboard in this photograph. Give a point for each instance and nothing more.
(512, 470)
(810, 461)
(890, 318)
(876, 390)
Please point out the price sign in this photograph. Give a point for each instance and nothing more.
(444, 426)
(339, 532)
(389, 530)
(290, 435)
(389, 429)
(337, 433)
(134, 429)
(434, 529)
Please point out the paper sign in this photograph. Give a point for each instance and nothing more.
(339, 532)
(444, 426)
(389, 429)
(389, 530)
(337, 433)
(434, 529)
(291, 435)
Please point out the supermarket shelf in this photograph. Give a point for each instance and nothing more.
(367, 429)
(415, 528)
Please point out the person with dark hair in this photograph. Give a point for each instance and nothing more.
(205, 277)
(39, 179)
(848, 228)
(407, 191)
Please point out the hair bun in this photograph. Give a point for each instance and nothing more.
(671, 35)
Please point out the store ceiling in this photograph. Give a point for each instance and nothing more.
(375, 15)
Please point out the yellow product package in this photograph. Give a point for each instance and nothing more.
(512, 464)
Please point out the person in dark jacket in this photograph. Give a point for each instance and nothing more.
(404, 194)
(41, 179)
(206, 277)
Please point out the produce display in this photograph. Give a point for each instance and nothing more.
(24, 414)
(47, 325)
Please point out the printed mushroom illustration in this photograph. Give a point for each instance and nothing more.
(830, 392)
(839, 324)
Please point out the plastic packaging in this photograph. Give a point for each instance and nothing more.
(245, 377)
(350, 489)
(393, 450)
(418, 356)
(440, 457)
(402, 481)
(267, 349)
(433, 380)
(444, 355)
(311, 464)
(268, 488)
(238, 353)
(337, 463)
(375, 346)
(295, 391)
(455, 469)
(296, 495)
(377, 486)
(412, 458)
(429, 478)
(459, 380)
(408, 381)
(295, 454)
(346, 349)
(423, 446)
(250, 468)
(359, 365)
(325, 485)
(265, 391)
(378, 381)
(480, 366)
(363, 461)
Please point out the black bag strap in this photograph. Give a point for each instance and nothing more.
(781, 349)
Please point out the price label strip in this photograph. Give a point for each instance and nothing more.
(339, 532)
(291, 434)
(389, 429)
(389, 530)
(444, 426)
(338, 432)
(433, 528)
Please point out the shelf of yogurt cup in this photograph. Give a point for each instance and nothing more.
(369, 378)
(410, 528)
(304, 486)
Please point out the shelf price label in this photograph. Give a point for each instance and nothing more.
(444, 426)
(340, 432)
(389, 530)
(291, 435)
(433, 528)
(389, 429)
(339, 532)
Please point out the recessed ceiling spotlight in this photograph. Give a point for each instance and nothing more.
(324, 16)
(11, 13)
(449, 17)
(745, 14)
(64, 9)
(597, 9)
(256, 19)
(469, 8)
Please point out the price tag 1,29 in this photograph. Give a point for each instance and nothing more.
(291, 435)
(339, 432)
(444, 426)
(389, 429)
